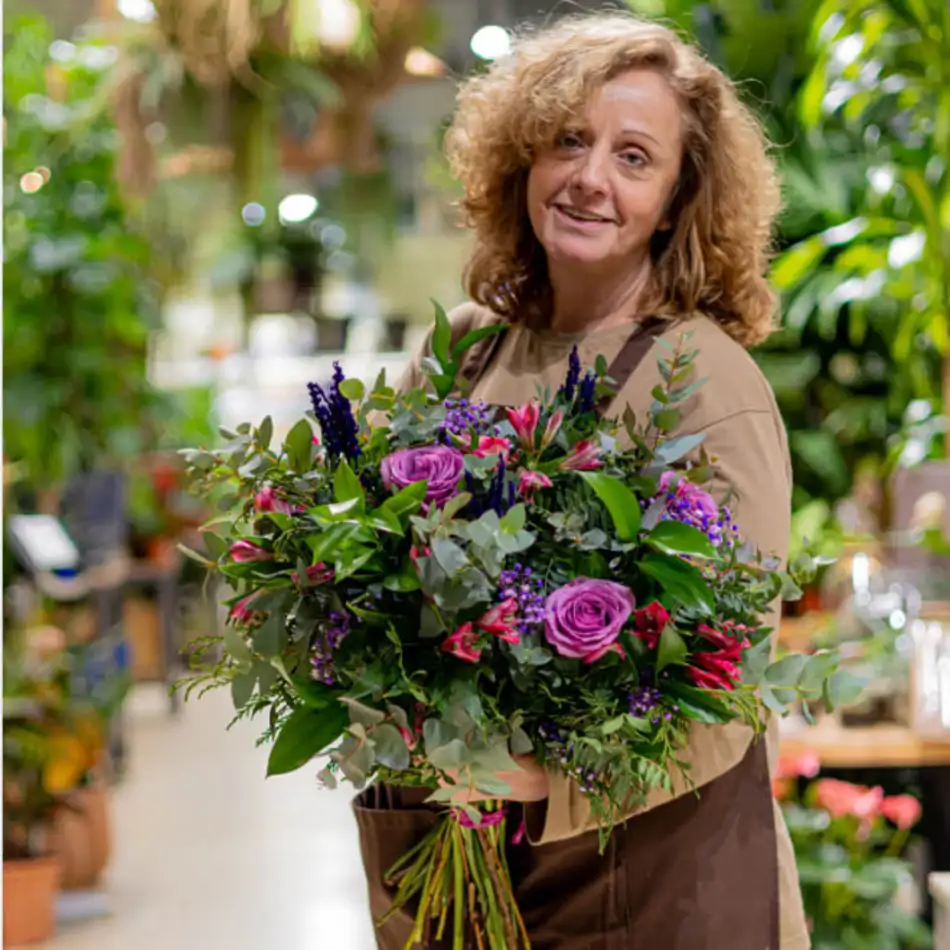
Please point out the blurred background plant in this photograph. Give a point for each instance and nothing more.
(850, 844)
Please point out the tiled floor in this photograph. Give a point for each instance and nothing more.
(208, 855)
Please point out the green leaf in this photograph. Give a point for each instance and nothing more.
(195, 556)
(352, 389)
(362, 714)
(452, 755)
(265, 433)
(403, 583)
(671, 451)
(785, 673)
(407, 501)
(390, 747)
(514, 519)
(671, 648)
(236, 647)
(474, 336)
(701, 705)
(242, 688)
(674, 537)
(299, 446)
(681, 580)
(450, 557)
(270, 637)
(667, 419)
(490, 784)
(755, 662)
(441, 336)
(306, 733)
(329, 542)
(346, 486)
(313, 694)
(521, 743)
(620, 501)
(843, 689)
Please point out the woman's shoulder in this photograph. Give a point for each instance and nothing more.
(733, 381)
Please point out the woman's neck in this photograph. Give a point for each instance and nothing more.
(583, 302)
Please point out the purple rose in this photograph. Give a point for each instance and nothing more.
(440, 465)
(585, 616)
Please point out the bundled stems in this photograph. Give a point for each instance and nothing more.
(465, 868)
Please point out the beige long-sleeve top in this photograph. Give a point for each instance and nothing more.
(736, 410)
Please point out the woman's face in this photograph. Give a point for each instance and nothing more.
(598, 195)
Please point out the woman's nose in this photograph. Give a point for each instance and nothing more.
(591, 175)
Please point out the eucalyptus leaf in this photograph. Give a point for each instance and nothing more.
(298, 446)
(390, 747)
(242, 688)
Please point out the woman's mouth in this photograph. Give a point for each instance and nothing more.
(582, 218)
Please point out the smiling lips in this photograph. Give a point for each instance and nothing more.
(582, 217)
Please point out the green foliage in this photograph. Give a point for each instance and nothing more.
(78, 301)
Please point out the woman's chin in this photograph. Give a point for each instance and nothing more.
(578, 254)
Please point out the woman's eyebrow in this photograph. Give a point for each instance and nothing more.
(638, 130)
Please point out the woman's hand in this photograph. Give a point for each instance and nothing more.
(529, 783)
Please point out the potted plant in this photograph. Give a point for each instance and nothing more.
(850, 843)
(52, 745)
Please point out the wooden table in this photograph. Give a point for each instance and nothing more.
(883, 746)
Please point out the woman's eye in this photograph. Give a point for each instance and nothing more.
(634, 159)
(568, 140)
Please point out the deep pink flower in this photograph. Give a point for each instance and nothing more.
(583, 457)
(650, 622)
(268, 500)
(245, 552)
(499, 620)
(529, 481)
(604, 650)
(241, 614)
(492, 445)
(463, 644)
(316, 575)
(585, 615)
(525, 422)
(488, 819)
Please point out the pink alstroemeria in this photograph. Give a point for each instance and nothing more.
(498, 620)
(463, 644)
(317, 574)
(584, 457)
(267, 500)
(552, 428)
(603, 651)
(525, 422)
(245, 552)
(492, 445)
(242, 614)
(530, 481)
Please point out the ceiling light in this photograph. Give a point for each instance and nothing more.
(491, 42)
(296, 208)
(420, 62)
(253, 214)
(142, 11)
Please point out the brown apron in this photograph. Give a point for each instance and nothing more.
(699, 873)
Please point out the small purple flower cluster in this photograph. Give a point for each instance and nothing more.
(462, 416)
(338, 425)
(646, 703)
(337, 627)
(562, 752)
(587, 395)
(520, 584)
(573, 376)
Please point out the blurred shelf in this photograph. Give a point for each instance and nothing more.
(883, 746)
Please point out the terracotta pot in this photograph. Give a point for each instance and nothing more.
(80, 838)
(29, 901)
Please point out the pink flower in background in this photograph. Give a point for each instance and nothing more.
(583, 457)
(267, 500)
(585, 615)
(841, 799)
(439, 465)
(805, 765)
(525, 422)
(603, 651)
(530, 481)
(463, 644)
(492, 445)
(901, 810)
(245, 552)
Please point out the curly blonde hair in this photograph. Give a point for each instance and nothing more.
(715, 257)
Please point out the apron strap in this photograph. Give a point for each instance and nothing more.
(631, 354)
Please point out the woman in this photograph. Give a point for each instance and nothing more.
(618, 191)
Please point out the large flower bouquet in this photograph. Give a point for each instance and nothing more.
(429, 587)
